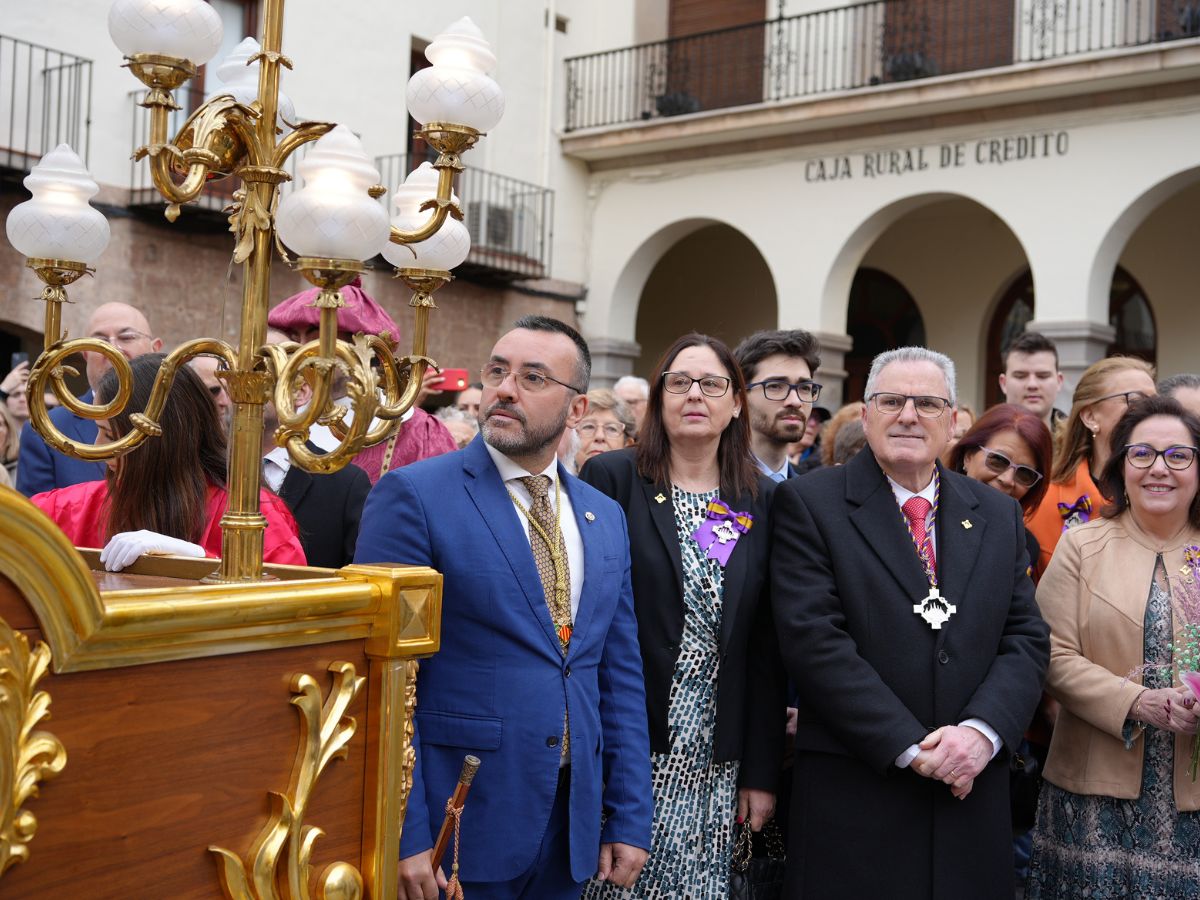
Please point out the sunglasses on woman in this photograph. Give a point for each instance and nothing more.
(997, 462)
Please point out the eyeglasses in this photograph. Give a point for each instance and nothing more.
(806, 391)
(893, 404)
(1143, 456)
(710, 385)
(612, 430)
(529, 380)
(997, 462)
(1127, 396)
(124, 338)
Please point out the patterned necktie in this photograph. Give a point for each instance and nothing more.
(915, 510)
(558, 595)
(542, 525)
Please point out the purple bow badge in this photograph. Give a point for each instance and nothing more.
(719, 532)
(1076, 513)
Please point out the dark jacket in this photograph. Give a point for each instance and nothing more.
(42, 468)
(327, 509)
(874, 678)
(751, 695)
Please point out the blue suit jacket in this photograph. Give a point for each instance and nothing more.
(499, 686)
(42, 468)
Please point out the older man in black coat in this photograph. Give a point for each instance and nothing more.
(908, 626)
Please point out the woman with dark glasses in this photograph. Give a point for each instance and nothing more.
(1010, 449)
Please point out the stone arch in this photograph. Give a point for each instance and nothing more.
(835, 294)
(1108, 253)
(684, 291)
(627, 290)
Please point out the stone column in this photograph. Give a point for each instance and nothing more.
(832, 372)
(612, 358)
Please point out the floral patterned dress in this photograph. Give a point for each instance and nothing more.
(695, 799)
(1104, 848)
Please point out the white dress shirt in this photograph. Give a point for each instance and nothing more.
(511, 473)
(275, 467)
(903, 495)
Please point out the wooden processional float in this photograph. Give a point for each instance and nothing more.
(193, 728)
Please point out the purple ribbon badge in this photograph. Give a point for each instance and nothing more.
(1076, 513)
(719, 532)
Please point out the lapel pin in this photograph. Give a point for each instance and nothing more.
(966, 523)
(660, 498)
(589, 516)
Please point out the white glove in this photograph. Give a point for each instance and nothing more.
(124, 549)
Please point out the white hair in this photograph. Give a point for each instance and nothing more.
(568, 458)
(909, 355)
(641, 384)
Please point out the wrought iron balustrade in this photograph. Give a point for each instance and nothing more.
(511, 221)
(854, 46)
(45, 100)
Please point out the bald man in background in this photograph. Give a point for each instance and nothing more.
(43, 468)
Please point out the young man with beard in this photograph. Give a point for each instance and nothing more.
(539, 672)
(778, 367)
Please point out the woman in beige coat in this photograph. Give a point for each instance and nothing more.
(1118, 817)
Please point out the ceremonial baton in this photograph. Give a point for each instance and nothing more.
(457, 802)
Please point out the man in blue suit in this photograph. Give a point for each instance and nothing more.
(43, 468)
(539, 672)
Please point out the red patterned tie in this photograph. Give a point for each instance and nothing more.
(915, 510)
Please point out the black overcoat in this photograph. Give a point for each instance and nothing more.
(873, 679)
(327, 509)
(751, 686)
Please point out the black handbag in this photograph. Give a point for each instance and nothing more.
(1025, 783)
(758, 864)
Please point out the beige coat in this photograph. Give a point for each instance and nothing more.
(1093, 595)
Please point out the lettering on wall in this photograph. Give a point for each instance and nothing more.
(999, 151)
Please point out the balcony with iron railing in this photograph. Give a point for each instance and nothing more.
(511, 222)
(45, 100)
(852, 47)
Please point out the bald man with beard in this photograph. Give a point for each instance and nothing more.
(43, 468)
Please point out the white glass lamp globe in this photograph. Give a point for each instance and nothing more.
(241, 80)
(184, 29)
(332, 216)
(456, 88)
(58, 223)
(447, 248)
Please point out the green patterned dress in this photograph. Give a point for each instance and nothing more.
(695, 799)
(1103, 848)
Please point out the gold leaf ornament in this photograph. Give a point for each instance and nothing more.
(27, 756)
(279, 863)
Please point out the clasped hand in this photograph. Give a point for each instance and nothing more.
(1173, 709)
(954, 755)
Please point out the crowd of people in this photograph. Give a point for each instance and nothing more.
(936, 649)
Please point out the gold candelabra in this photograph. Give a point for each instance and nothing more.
(228, 137)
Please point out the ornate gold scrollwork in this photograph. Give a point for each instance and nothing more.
(408, 758)
(268, 874)
(26, 756)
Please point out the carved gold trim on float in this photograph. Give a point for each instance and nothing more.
(27, 757)
(395, 611)
(284, 846)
